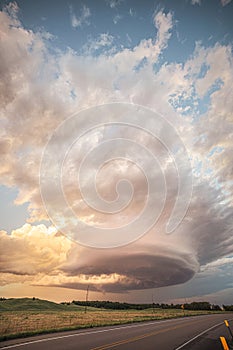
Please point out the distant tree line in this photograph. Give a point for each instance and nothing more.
(201, 305)
(196, 305)
(115, 305)
(228, 307)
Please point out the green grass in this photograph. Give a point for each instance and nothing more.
(31, 304)
(26, 317)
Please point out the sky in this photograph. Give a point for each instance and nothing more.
(116, 150)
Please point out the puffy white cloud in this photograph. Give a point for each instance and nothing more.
(39, 91)
(31, 250)
(82, 19)
(163, 23)
(104, 40)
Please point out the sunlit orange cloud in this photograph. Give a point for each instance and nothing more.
(37, 94)
(38, 256)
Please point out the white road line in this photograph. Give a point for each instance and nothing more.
(92, 332)
(199, 335)
(99, 331)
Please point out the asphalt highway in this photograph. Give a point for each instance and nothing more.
(192, 333)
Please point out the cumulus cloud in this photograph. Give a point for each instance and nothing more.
(82, 19)
(103, 41)
(163, 23)
(35, 249)
(40, 90)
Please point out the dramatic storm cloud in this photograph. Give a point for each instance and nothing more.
(41, 88)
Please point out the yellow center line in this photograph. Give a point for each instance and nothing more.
(133, 339)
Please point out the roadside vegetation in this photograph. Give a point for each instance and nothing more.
(29, 316)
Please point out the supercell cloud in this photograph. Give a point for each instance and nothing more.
(41, 88)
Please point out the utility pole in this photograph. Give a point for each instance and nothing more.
(153, 303)
(86, 298)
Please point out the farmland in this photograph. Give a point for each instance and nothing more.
(22, 317)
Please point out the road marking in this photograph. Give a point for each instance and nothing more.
(130, 340)
(198, 335)
(93, 332)
(224, 343)
(133, 339)
(183, 320)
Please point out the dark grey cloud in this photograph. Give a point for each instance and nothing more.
(37, 93)
(142, 272)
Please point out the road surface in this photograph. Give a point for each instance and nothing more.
(192, 333)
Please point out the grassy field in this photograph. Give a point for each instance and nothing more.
(22, 317)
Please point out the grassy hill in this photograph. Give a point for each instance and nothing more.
(34, 304)
(29, 316)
